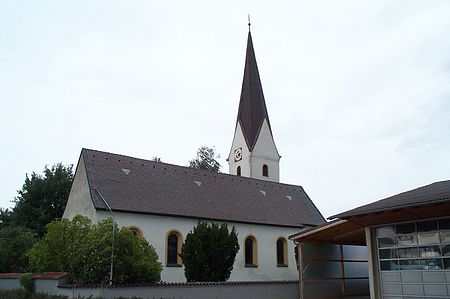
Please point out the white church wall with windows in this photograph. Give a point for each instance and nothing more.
(167, 235)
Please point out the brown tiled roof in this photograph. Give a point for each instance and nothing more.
(141, 186)
(433, 193)
(252, 106)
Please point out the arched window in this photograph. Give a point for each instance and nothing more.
(282, 252)
(173, 249)
(238, 171)
(265, 170)
(251, 252)
(136, 231)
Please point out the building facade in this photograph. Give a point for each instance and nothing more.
(162, 202)
(407, 245)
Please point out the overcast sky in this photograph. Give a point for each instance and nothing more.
(358, 92)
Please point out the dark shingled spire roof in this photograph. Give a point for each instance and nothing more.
(252, 106)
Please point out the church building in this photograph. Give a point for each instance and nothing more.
(163, 202)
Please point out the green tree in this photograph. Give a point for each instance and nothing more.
(5, 218)
(209, 252)
(42, 199)
(84, 250)
(15, 241)
(206, 159)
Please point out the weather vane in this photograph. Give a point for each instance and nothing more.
(249, 24)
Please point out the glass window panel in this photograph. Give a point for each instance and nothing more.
(325, 288)
(445, 237)
(446, 250)
(446, 263)
(431, 264)
(357, 286)
(353, 252)
(389, 265)
(430, 251)
(407, 252)
(406, 240)
(356, 269)
(386, 242)
(409, 265)
(444, 224)
(427, 226)
(321, 251)
(429, 238)
(385, 231)
(407, 228)
(323, 270)
(389, 253)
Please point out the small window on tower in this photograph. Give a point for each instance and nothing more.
(265, 170)
(238, 171)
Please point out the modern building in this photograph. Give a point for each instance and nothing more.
(163, 202)
(402, 249)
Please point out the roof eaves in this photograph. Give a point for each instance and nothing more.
(394, 207)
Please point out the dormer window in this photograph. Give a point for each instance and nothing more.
(265, 170)
(238, 171)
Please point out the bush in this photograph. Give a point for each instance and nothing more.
(15, 241)
(84, 250)
(209, 252)
(26, 281)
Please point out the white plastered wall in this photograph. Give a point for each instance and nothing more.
(79, 201)
(239, 142)
(264, 152)
(156, 227)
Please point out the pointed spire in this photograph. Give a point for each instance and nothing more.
(252, 106)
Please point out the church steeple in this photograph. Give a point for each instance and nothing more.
(252, 106)
(253, 153)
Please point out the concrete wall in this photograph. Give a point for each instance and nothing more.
(155, 229)
(216, 291)
(9, 284)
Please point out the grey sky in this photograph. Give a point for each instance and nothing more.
(358, 92)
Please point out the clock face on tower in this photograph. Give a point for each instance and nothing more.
(238, 154)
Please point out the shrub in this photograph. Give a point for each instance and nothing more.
(209, 252)
(84, 250)
(26, 281)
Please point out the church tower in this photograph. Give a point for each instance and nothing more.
(253, 153)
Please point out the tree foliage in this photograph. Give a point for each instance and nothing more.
(41, 200)
(206, 159)
(15, 241)
(84, 250)
(209, 252)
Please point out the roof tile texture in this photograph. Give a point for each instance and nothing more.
(165, 189)
(433, 193)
